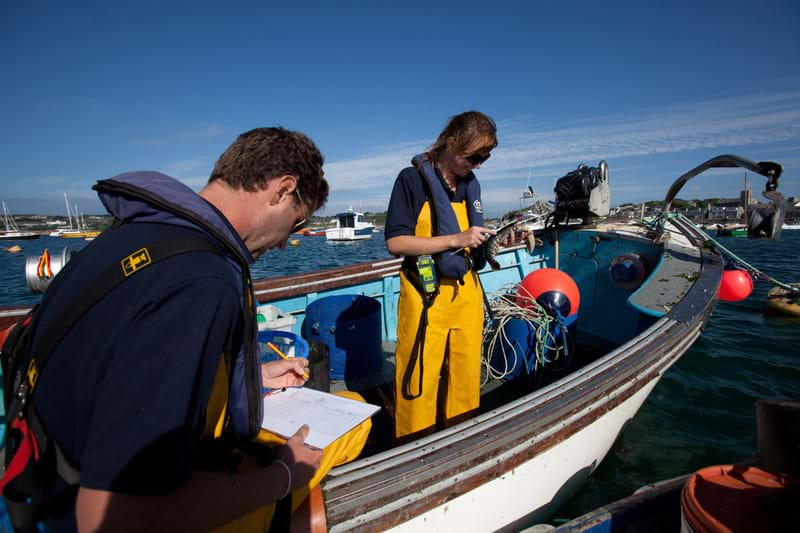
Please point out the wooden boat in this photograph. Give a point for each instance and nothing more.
(350, 226)
(534, 441)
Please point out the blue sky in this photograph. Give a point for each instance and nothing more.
(90, 89)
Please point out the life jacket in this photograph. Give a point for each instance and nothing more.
(33, 459)
(155, 197)
(450, 264)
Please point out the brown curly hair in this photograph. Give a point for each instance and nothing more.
(261, 154)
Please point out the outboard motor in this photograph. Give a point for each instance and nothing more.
(583, 193)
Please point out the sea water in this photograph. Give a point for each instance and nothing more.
(701, 413)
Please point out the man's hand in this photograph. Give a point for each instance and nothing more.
(302, 460)
(284, 373)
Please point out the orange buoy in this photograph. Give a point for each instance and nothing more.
(551, 288)
(736, 285)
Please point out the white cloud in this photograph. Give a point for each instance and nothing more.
(719, 125)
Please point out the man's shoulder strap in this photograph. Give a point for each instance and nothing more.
(128, 266)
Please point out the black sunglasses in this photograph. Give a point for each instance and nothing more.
(478, 159)
(303, 222)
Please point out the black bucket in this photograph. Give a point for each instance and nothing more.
(319, 367)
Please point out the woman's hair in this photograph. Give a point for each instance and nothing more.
(259, 155)
(467, 133)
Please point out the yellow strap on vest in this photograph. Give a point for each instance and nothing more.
(217, 403)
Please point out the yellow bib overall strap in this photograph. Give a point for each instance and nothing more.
(418, 350)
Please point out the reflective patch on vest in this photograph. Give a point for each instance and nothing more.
(136, 261)
(478, 206)
(33, 373)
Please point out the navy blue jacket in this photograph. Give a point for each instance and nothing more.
(125, 392)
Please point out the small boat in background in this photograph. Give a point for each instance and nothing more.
(311, 232)
(80, 231)
(731, 230)
(12, 232)
(533, 210)
(350, 226)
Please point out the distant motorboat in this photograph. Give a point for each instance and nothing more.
(350, 226)
(12, 232)
(790, 226)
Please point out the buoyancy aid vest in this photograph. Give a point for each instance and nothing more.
(244, 407)
(451, 264)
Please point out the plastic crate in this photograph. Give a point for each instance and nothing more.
(287, 342)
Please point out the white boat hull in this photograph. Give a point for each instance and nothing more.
(531, 492)
(348, 234)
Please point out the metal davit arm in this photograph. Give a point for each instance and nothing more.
(770, 170)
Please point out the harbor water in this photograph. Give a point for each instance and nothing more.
(701, 413)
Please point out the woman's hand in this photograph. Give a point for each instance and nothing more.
(474, 236)
(284, 373)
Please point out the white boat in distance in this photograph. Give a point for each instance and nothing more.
(12, 232)
(62, 232)
(350, 226)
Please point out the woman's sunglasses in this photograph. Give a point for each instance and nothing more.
(478, 159)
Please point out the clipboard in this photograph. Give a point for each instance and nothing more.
(328, 416)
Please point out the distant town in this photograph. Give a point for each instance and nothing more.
(706, 211)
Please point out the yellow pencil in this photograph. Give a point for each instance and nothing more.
(283, 355)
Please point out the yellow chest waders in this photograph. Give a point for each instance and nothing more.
(438, 334)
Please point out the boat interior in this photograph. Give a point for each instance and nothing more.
(627, 279)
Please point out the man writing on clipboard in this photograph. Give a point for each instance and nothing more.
(158, 364)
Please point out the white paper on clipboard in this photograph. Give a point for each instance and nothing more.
(328, 416)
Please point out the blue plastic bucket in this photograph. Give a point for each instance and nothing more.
(287, 342)
(350, 325)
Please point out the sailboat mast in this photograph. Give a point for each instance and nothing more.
(69, 216)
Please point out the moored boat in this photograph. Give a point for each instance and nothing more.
(12, 232)
(731, 230)
(350, 226)
(645, 295)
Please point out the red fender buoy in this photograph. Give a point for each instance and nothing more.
(736, 285)
(553, 289)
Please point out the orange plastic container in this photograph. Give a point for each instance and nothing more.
(738, 498)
